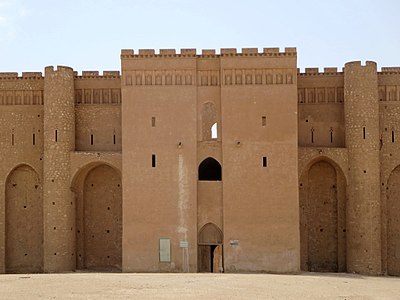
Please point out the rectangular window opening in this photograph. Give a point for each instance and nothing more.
(12, 139)
(392, 136)
(56, 135)
(114, 138)
(264, 121)
(153, 121)
(264, 161)
(312, 136)
(33, 139)
(331, 136)
(153, 160)
(91, 139)
(364, 133)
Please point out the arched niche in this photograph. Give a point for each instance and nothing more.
(24, 221)
(322, 197)
(98, 191)
(210, 170)
(210, 234)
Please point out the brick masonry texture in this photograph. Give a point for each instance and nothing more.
(210, 161)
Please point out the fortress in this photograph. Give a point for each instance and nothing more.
(188, 162)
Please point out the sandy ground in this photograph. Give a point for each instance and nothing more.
(197, 286)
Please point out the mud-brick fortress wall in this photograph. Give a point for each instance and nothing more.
(170, 102)
(50, 127)
(310, 165)
(349, 200)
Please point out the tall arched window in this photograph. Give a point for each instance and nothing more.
(210, 170)
(214, 131)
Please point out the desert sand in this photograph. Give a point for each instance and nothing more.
(197, 286)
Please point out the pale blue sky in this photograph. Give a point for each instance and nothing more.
(88, 34)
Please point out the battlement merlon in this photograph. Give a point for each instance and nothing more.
(149, 53)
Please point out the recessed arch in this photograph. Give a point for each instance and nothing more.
(210, 234)
(24, 221)
(322, 197)
(210, 249)
(98, 194)
(306, 160)
(210, 170)
(86, 168)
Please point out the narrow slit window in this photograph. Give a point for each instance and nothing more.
(312, 135)
(12, 139)
(91, 139)
(264, 121)
(364, 132)
(153, 121)
(331, 132)
(264, 161)
(114, 138)
(56, 135)
(153, 160)
(392, 136)
(33, 139)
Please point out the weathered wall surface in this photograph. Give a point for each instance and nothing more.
(101, 214)
(159, 160)
(260, 203)
(98, 111)
(21, 143)
(59, 141)
(321, 112)
(93, 133)
(24, 252)
(322, 193)
(61, 161)
(362, 140)
(209, 203)
(389, 96)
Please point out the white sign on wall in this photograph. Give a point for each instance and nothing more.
(165, 250)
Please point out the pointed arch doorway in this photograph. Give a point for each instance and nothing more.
(210, 249)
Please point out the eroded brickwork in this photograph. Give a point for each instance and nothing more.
(232, 161)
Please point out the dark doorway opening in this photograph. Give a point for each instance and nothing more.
(210, 249)
(210, 170)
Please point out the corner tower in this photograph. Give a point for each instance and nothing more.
(59, 141)
(361, 109)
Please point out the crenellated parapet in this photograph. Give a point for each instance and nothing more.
(390, 70)
(320, 87)
(91, 87)
(316, 72)
(180, 72)
(389, 84)
(97, 75)
(25, 75)
(21, 90)
(162, 53)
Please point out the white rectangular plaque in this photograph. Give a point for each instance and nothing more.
(165, 250)
(183, 244)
